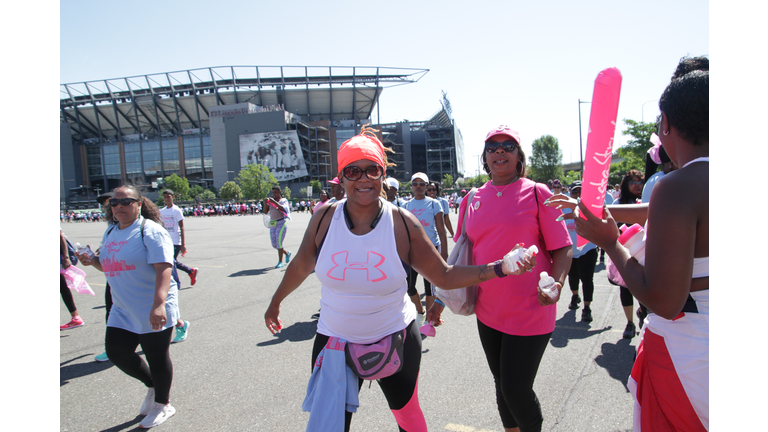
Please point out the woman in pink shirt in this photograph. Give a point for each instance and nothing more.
(514, 319)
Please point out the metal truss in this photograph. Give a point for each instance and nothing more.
(168, 104)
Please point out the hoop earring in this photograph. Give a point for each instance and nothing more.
(522, 167)
(666, 132)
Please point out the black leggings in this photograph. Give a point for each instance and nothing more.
(107, 301)
(66, 295)
(398, 388)
(412, 276)
(514, 362)
(626, 296)
(157, 371)
(583, 269)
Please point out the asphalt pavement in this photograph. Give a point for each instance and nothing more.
(231, 374)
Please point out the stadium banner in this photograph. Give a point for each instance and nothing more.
(279, 151)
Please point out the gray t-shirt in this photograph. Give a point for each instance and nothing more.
(425, 211)
(127, 262)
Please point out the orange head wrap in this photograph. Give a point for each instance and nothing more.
(363, 146)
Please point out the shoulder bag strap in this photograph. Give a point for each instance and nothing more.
(470, 196)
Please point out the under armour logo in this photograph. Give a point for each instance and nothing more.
(339, 270)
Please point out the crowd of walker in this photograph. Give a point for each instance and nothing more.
(367, 246)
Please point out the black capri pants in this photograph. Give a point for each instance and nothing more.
(397, 388)
(583, 269)
(412, 275)
(514, 362)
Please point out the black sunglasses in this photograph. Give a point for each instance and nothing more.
(353, 173)
(114, 202)
(507, 146)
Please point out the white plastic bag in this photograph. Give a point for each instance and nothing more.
(75, 279)
(461, 301)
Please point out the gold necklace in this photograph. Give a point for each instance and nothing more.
(499, 193)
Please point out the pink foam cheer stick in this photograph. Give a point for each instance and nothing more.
(428, 329)
(602, 125)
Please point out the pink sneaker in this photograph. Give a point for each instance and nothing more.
(76, 322)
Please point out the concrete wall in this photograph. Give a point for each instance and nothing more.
(68, 175)
(234, 126)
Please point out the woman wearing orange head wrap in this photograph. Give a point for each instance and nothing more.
(357, 247)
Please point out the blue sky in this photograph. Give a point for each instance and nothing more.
(524, 64)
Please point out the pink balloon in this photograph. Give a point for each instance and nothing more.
(602, 125)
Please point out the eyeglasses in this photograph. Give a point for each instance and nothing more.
(507, 146)
(418, 184)
(114, 202)
(635, 183)
(431, 190)
(353, 173)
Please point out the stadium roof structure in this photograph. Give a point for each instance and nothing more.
(169, 103)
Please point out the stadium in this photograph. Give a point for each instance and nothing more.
(207, 124)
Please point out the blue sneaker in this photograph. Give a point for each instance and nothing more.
(101, 357)
(280, 265)
(287, 257)
(181, 333)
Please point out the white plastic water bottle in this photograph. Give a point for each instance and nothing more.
(511, 259)
(547, 285)
(632, 239)
(84, 250)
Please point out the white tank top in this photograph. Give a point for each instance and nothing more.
(364, 294)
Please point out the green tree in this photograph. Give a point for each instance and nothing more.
(570, 177)
(470, 182)
(207, 195)
(546, 160)
(303, 192)
(634, 152)
(195, 191)
(179, 186)
(447, 181)
(230, 190)
(316, 187)
(286, 192)
(256, 181)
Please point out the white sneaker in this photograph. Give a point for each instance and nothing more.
(149, 400)
(157, 415)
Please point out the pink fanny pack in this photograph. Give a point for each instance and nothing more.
(377, 360)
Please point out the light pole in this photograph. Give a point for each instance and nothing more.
(581, 152)
(642, 110)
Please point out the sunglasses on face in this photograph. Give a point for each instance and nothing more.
(635, 183)
(418, 184)
(114, 202)
(507, 146)
(431, 190)
(353, 173)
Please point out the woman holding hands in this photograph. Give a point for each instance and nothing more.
(357, 248)
(674, 283)
(514, 318)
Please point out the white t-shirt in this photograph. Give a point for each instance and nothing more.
(171, 218)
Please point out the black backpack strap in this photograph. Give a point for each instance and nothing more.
(326, 231)
(405, 224)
